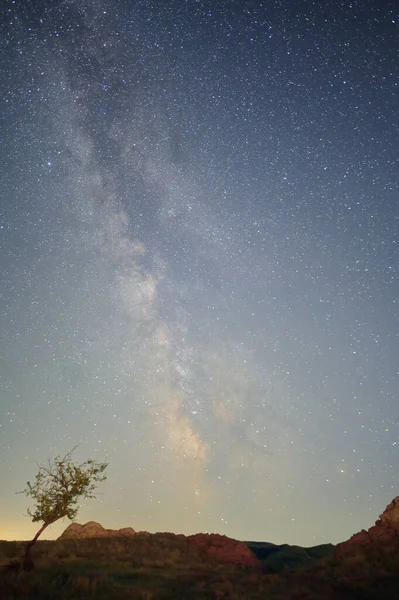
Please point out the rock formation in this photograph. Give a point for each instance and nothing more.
(93, 530)
(226, 550)
(383, 536)
(217, 547)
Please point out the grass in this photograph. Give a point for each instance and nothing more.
(160, 568)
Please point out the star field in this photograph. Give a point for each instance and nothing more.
(199, 225)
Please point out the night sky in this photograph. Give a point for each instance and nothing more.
(199, 227)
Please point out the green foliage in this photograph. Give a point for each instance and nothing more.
(59, 484)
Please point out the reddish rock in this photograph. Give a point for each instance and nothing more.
(125, 531)
(225, 550)
(390, 516)
(218, 547)
(383, 536)
(93, 530)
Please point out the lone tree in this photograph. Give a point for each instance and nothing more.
(58, 486)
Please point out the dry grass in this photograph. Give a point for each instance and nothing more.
(151, 569)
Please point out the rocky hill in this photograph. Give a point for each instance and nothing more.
(76, 531)
(211, 545)
(268, 557)
(383, 536)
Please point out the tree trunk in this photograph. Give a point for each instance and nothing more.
(27, 562)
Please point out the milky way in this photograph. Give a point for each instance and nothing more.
(199, 226)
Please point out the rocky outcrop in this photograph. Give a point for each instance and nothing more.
(93, 530)
(212, 546)
(383, 536)
(225, 550)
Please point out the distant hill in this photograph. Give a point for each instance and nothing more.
(274, 558)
